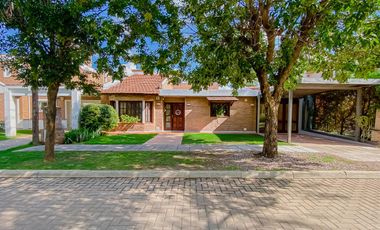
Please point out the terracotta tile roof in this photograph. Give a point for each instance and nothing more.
(137, 84)
(13, 81)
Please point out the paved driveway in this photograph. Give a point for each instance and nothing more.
(350, 150)
(159, 203)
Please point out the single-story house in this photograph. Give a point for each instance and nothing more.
(162, 106)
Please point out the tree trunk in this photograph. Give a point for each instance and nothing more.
(271, 128)
(35, 117)
(50, 122)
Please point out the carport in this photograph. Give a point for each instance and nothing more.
(314, 84)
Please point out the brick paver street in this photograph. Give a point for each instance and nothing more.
(164, 203)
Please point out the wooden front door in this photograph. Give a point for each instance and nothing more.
(174, 116)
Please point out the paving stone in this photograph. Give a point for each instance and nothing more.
(189, 203)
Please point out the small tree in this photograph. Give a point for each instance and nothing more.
(54, 38)
(273, 42)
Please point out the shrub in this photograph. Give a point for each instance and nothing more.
(80, 135)
(129, 119)
(108, 117)
(89, 117)
(2, 126)
(96, 117)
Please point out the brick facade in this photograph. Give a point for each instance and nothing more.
(157, 110)
(242, 116)
(197, 114)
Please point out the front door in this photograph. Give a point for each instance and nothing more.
(174, 116)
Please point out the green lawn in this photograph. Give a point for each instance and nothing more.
(212, 138)
(19, 133)
(101, 160)
(130, 139)
(3, 137)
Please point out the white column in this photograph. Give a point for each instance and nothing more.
(359, 107)
(75, 108)
(300, 114)
(143, 111)
(290, 116)
(258, 114)
(10, 114)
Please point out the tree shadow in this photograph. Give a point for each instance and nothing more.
(147, 203)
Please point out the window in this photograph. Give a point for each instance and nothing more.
(42, 105)
(149, 111)
(7, 72)
(131, 108)
(220, 109)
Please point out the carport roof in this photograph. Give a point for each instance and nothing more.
(314, 83)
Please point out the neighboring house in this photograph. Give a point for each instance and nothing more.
(16, 101)
(162, 106)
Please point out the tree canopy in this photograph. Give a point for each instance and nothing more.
(48, 41)
(274, 42)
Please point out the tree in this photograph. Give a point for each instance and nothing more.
(52, 39)
(273, 42)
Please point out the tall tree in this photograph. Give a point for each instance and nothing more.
(35, 117)
(52, 39)
(238, 42)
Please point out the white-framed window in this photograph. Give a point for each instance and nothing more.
(7, 72)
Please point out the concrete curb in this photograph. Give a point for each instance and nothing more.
(194, 174)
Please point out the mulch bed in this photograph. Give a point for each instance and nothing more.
(285, 161)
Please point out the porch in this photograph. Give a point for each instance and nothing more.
(18, 107)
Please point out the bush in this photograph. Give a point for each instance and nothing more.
(129, 119)
(80, 135)
(108, 117)
(96, 117)
(89, 117)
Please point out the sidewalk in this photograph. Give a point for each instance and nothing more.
(250, 174)
(171, 147)
(7, 144)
